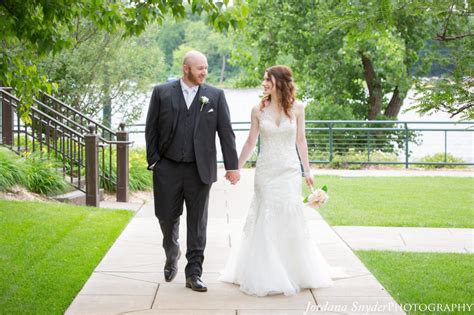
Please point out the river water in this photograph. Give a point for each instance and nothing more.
(459, 143)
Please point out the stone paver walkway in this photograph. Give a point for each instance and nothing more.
(129, 279)
(410, 239)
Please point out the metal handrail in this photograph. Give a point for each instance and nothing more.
(62, 135)
(90, 120)
(84, 128)
(35, 110)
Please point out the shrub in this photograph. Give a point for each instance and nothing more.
(439, 158)
(41, 176)
(251, 162)
(11, 173)
(343, 161)
(140, 177)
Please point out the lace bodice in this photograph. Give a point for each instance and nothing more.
(277, 142)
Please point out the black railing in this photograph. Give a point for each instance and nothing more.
(384, 142)
(373, 142)
(59, 131)
(75, 119)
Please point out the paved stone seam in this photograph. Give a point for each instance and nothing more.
(154, 298)
(408, 239)
(112, 275)
(403, 240)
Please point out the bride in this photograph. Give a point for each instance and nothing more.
(276, 254)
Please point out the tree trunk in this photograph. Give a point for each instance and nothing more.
(107, 101)
(107, 111)
(374, 86)
(394, 105)
(222, 69)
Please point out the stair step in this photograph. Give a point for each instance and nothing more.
(76, 197)
(75, 181)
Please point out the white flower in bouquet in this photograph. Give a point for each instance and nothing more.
(317, 197)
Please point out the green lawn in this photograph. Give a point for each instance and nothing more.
(48, 251)
(425, 278)
(399, 201)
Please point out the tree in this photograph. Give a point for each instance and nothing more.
(32, 29)
(453, 91)
(105, 75)
(215, 45)
(356, 58)
(170, 36)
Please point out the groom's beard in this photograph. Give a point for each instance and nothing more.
(195, 79)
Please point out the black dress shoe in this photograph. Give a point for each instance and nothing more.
(195, 284)
(171, 269)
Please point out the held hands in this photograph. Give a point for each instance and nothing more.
(232, 176)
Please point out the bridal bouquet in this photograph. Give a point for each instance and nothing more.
(317, 197)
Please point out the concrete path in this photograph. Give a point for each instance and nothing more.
(129, 279)
(409, 239)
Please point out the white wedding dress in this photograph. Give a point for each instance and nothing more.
(276, 253)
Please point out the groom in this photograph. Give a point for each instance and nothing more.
(181, 125)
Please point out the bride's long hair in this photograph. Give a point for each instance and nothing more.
(285, 88)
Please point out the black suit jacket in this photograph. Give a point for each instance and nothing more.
(214, 118)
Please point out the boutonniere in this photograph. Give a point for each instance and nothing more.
(204, 101)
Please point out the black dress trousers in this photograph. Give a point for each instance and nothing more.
(175, 183)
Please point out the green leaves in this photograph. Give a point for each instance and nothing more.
(11, 171)
(36, 174)
(446, 95)
(39, 27)
(325, 44)
(106, 70)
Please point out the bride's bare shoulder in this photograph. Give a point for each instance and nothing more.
(298, 107)
(256, 112)
(256, 108)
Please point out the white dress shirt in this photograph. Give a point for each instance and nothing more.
(189, 92)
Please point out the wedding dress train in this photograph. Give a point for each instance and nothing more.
(276, 253)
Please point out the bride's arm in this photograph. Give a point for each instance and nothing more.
(249, 145)
(301, 143)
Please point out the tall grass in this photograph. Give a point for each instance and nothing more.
(42, 177)
(36, 174)
(11, 172)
